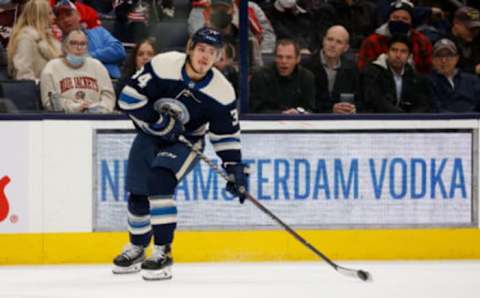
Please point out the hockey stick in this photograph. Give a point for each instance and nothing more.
(361, 274)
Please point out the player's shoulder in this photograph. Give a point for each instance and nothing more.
(168, 65)
(220, 89)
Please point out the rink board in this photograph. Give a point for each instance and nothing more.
(202, 246)
(53, 195)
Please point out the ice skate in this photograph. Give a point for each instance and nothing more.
(130, 260)
(159, 265)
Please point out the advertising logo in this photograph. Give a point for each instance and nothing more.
(4, 205)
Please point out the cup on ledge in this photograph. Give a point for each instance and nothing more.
(347, 97)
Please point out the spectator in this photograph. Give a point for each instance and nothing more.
(291, 21)
(76, 83)
(465, 33)
(9, 12)
(101, 44)
(453, 90)
(391, 85)
(400, 22)
(356, 16)
(335, 76)
(32, 44)
(88, 15)
(228, 67)
(285, 86)
(141, 54)
(223, 16)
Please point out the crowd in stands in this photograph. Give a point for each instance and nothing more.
(305, 56)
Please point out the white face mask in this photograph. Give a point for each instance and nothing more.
(76, 60)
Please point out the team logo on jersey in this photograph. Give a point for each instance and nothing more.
(173, 106)
(80, 95)
(4, 205)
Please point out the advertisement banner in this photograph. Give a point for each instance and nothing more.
(313, 180)
(14, 177)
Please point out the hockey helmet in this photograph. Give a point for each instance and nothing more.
(209, 36)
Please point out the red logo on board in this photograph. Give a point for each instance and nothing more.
(4, 205)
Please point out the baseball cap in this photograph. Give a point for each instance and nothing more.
(401, 5)
(64, 7)
(444, 44)
(469, 16)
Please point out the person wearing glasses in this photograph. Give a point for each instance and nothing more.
(453, 89)
(101, 44)
(76, 83)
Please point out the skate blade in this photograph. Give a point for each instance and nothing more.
(162, 274)
(126, 270)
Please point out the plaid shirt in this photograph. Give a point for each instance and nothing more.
(376, 44)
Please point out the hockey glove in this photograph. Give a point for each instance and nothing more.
(238, 183)
(167, 128)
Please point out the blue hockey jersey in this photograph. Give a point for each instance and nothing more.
(211, 102)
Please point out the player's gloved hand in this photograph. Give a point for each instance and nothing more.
(167, 128)
(238, 173)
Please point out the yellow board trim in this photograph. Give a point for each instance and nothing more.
(208, 246)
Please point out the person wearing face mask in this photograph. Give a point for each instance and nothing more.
(399, 22)
(76, 83)
(101, 44)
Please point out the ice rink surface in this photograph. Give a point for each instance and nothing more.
(442, 279)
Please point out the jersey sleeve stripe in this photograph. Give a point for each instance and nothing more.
(227, 146)
(130, 99)
(215, 137)
(225, 140)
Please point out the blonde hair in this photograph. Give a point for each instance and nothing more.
(35, 14)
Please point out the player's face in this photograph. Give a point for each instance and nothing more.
(202, 57)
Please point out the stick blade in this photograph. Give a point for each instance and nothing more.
(360, 274)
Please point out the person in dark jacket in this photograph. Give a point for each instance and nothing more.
(453, 90)
(336, 77)
(285, 86)
(390, 85)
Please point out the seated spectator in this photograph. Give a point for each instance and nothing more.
(88, 15)
(32, 44)
(335, 76)
(227, 66)
(285, 86)
(260, 25)
(289, 20)
(400, 22)
(9, 12)
(101, 44)
(141, 54)
(356, 16)
(223, 16)
(453, 90)
(76, 83)
(465, 33)
(390, 85)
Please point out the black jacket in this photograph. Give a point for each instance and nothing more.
(272, 93)
(346, 81)
(379, 93)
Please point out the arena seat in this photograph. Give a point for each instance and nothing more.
(170, 35)
(24, 94)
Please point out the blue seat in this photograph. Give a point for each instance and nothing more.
(25, 94)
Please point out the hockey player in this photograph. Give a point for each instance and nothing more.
(199, 95)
